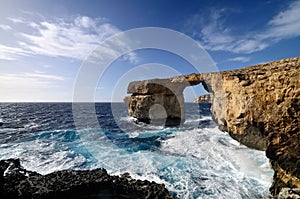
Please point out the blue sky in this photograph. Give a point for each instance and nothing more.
(43, 44)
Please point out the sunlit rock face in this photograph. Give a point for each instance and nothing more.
(207, 98)
(259, 106)
(258, 101)
(261, 109)
(160, 101)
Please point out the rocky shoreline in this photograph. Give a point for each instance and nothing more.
(17, 182)
(259, 106)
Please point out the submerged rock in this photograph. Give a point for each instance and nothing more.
(17, 182)
(259, 106)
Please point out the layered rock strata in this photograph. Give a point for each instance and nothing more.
(159, 101)
(259, 106)
(16, 182)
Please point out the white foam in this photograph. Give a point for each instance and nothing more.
(42, 157)
(31, 125)
(222, 160)
(191, 163)
(128, 119)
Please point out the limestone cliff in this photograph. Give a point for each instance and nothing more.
(207, 98)
(159, 101)
(261, 109)
(258, 105)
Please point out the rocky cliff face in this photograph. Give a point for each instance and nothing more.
(207, 98)
(259, 106)
(159, 101)
(262, 110)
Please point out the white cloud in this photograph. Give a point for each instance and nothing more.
(75, 38)
(214, 34)
(11, 53)
(85, 22)
(40, 75)
(15, 20)
(27, 81)
(37, 76)
(291, 15)
(5, 27)
(28, 86)
(285, 24)
(239, 59)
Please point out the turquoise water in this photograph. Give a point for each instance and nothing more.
(193, 161)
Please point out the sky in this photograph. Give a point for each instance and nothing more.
(46, 45)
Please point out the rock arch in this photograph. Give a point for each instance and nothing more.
(167, 93)
(259, 106)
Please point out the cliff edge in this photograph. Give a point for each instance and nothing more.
(261, 109)
(259, 106)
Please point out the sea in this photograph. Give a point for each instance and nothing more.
(195, 160)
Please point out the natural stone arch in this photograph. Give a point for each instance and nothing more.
(168, 93)
(257, 105)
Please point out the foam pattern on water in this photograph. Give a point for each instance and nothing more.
(193, 162)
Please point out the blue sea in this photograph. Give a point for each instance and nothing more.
(195, 160)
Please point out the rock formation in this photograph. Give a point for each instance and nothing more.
(159, 101)
(16, 182)
(288, 193)
(259, 106)
(262, 111)
(207, 98)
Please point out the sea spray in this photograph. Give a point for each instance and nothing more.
(193, 161)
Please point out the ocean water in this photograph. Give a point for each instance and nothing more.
(193, 161)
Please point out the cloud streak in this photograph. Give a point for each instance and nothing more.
(28, 86)
(19, 82)
(5, 27)
(213, 33)
(70, 38)
(285, 24)
(239, 59)
(75, 39)
(11, 53)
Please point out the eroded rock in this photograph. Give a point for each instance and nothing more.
(167, 93)
(16, 182)
(261, 109)
(259, 106)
